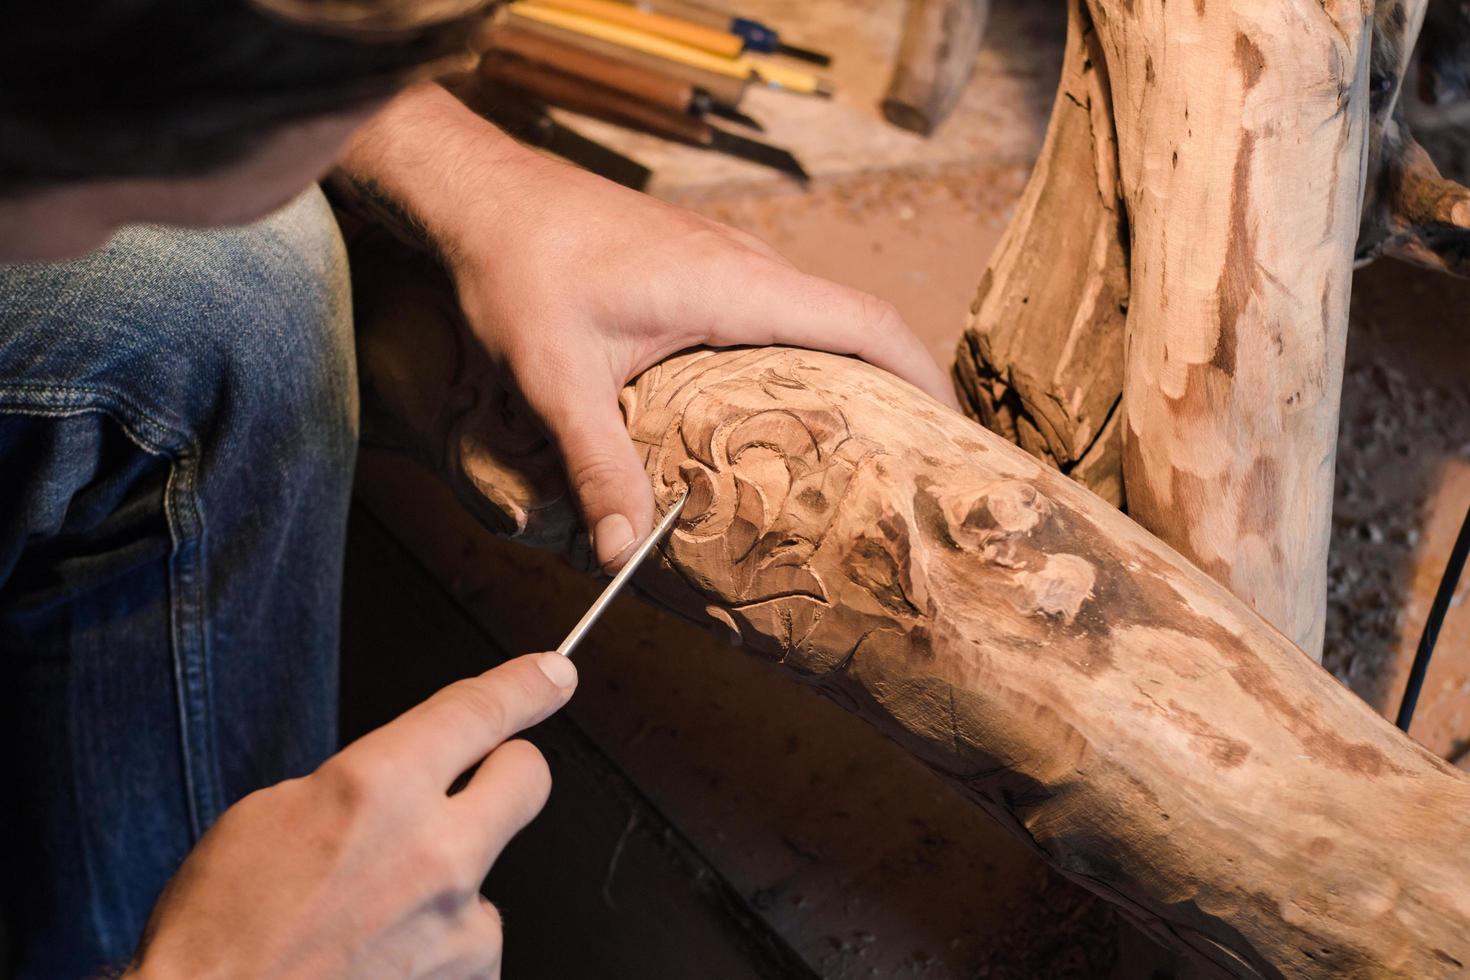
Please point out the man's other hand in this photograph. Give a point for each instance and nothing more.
(595, 283)
(368, 867)
(575, 285)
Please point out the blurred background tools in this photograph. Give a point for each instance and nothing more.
(637, 81)
(728, 89)
(528, 120)
(683, 70)
(754, 35)
(745, 66)
(658, 71)
(667, 115)
(671, 28)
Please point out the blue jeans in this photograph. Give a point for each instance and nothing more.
(178, 418)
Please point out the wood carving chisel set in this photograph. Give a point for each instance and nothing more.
(754, 35)
(676, 70)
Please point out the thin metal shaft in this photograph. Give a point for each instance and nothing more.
(619, 580)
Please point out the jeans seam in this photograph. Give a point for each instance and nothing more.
(164, 437)
(188, 636)
(191, 659)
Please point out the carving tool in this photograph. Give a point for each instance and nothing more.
(580, 95)
(723, 88)
(684, 31)
(758, 37)
(755, 36)
(651, 86)
(529, 122)
(745, 66)
(590, 617)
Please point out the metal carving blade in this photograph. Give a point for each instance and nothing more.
(735, 115)
(591, 155)
(529, 120)
(757, 152)
(590, 617)
(804, 54)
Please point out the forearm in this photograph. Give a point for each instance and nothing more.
(413, 164)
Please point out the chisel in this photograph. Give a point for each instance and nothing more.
(590, 617)
(580, 95)
(723, 88)
(756, 36)
(715, 41)
(652, 86)
(528, 121)
(745, 66)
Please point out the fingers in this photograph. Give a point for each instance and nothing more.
(467, 720)
(785, 306)
(602, 465)
(505, 794)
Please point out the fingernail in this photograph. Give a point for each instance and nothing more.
(612, 536)
(558, 669)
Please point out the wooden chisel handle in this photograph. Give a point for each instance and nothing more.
(707, 16)
(722, 87)
(742, 67)
(581, 95)
(720, 42)
(662, 90)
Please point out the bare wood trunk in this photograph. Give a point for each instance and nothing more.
(1242, 143)
(936, 57)
(1041, 361)
(1230, 461)
(1146, 731)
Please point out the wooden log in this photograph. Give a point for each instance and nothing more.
(936, 56)
(1200, 485)
(1144, 729)
(1241, 136)
(1041, 360)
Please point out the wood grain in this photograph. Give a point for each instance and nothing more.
(1148, 733)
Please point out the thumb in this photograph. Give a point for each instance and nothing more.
(602, 466)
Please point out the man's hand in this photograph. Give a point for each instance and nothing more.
(575, 285)
(367, 868)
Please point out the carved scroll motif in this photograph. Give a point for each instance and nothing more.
(792, 537)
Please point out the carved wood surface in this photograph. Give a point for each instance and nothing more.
(1149, 734)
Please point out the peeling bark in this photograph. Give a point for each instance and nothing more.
(1041, 361)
